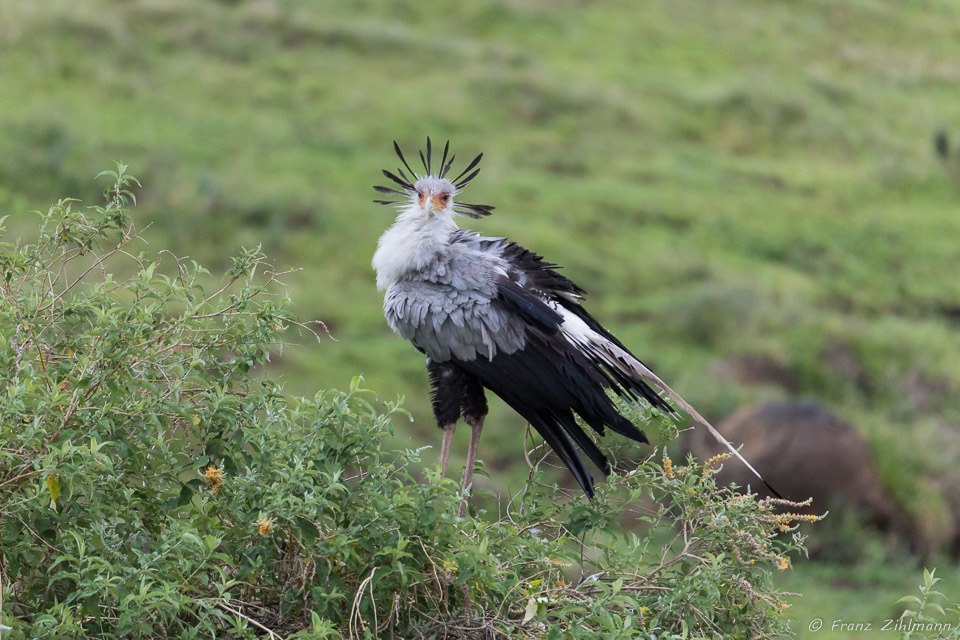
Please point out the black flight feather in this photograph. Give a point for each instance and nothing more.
(529, 380)
(568, 455)
(569, 424)
(531, 308)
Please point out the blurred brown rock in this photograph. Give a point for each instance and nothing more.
(804, 451)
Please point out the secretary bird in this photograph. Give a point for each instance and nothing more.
(490, 314)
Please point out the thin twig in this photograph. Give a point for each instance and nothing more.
(355, 609)
(22, 475)
(272, 633)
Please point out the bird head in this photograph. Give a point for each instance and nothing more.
(433, 193)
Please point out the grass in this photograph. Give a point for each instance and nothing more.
(854, 596)
(726, 179)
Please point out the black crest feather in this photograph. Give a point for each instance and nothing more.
(396, 147)
(403, 183)
(407, 180)
(467, 179)
(443, 161)
(474, 211)
(457, 181)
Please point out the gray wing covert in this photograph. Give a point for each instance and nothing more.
(447, 321)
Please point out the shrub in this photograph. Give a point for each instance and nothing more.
(924, 617)
(155, 484)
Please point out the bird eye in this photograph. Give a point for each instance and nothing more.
(445, 198)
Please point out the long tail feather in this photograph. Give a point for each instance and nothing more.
(610, 355)
(686, 406)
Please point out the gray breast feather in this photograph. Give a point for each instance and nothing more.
(447, 322)
(451, 307)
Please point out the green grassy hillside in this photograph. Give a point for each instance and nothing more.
(734, 181)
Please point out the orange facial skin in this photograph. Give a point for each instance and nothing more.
(439, 200)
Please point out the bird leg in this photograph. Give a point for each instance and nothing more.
(476, 425)
(445, 447)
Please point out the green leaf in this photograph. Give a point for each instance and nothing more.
(91, 606)
(211, 542)
(186, 495)
(307, 529)
(531, 610)
(195, 539)
(53, 485)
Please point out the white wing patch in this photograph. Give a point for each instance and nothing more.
(598, 348)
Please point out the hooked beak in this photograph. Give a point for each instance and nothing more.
(426, 203)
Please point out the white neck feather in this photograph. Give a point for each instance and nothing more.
(410, 244)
